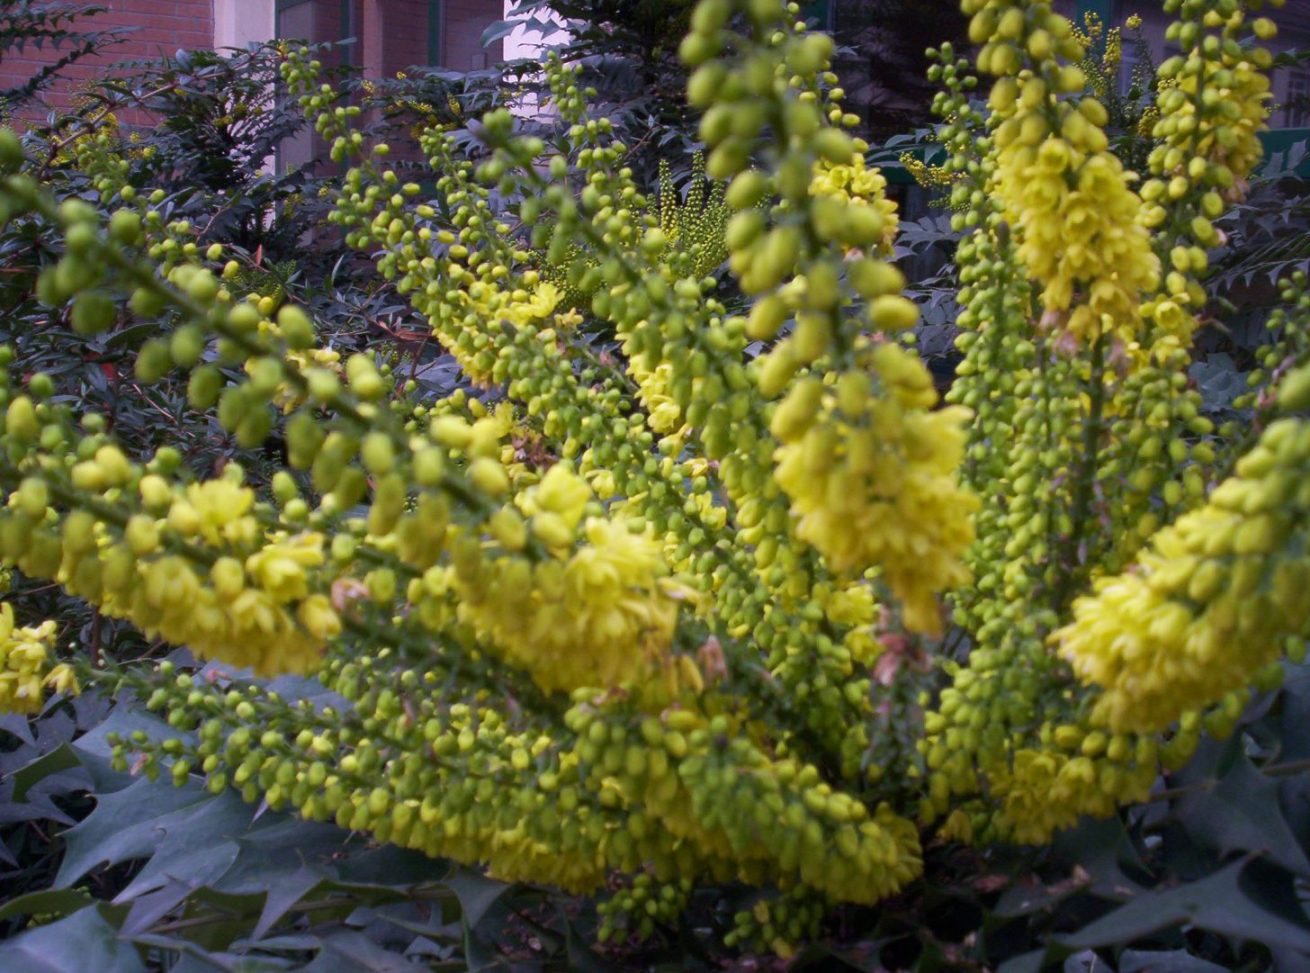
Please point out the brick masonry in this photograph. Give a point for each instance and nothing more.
(157, 27)
(161, 27)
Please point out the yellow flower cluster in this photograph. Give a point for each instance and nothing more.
(1211, 600)
(783, 729)
(469, 428)
(1053, 768)
(855, 182)
(484, 302)
(1043, 790)
(1004, 744)
(1091, 30)
(216, 511)
(1079, 224)
(654, 386)
(466, 299)
(927, 176)
(693, 227)
(759, 818)
(256, 611)
(191, 565)
(329, 359)
(872, 480)
(600, 615)
(1102, 70)
(1211, 105)
(463, 424)
(1223, 128)
(536, 305)
(25, 669)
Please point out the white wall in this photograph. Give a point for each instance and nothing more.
(525, 43)
(239, 22)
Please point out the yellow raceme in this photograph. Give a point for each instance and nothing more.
(26, 667)
(876, 486)
(1210, 601)
(995, 729)
(599, 610)
(855, 182)
(683, 590)
(1080, 226)
(244, 596)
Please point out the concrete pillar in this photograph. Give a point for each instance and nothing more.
(241, 22)
(372, 37)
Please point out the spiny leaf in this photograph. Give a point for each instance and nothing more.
(1241, 813)
(1219, 903)
(82, 942)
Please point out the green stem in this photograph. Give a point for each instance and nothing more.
(1086, 478)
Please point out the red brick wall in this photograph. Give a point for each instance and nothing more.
(328, 28)
(463, 22)
(406, 33)
(405, 27)
(162, 26)
(405, 23)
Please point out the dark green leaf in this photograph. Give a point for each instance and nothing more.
(148, 909)
(126, 825)
(47, 902)
(60, 758)
(421, 917)
(476, 894)
(132, 336)
(1295, 717)
(18, 725)
(1164, 961)
(1218, 903)
(497, 30)
(1241, 813)
(822, 958)
(283, 893)
(390, 867)
(211, 963)
(81, 943)
(277, 846)
(39, 807)
(479, 956)
(180, 856)
(580, 957)
(1032, 962)
(352, 952)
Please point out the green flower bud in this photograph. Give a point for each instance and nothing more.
(153, 360)
(125, 227)
(11, 150)
(295, 326)
(187, 345)
(93, 312)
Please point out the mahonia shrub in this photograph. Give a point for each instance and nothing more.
(734, 598)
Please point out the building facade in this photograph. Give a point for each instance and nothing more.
(153, 27)
(391, 35)
(388, 35)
